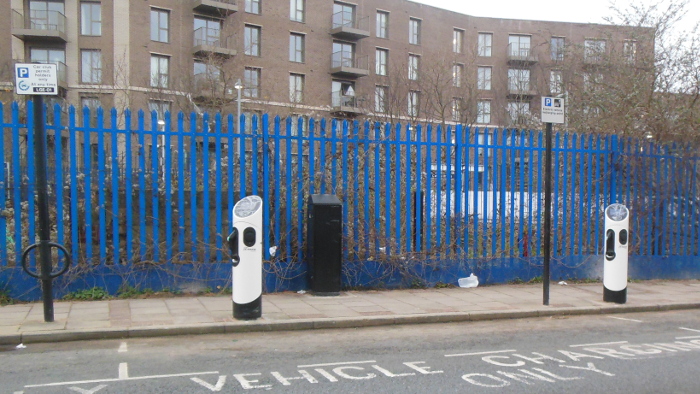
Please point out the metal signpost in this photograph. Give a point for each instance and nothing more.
(552, 112)
(38, 80)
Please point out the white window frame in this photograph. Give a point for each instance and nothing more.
(483, 112)
(485, 44)
(381, 61)
(518, 79)
(251, 82)
(457, 73)
(297, 44)
(413, 67)
(556, 82)
(380, 98)
(160, 71)
(414, 33)
(297, 10)
(594, 49)
(382, 24)
(413, 103)
(158, 31)
(91, 66)
(483, 77)
(251, 40)
(296, 88)
(88, 25)
(557, 50)
(457, 40)
(253, 6)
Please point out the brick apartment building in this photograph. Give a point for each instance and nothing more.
(380, 58)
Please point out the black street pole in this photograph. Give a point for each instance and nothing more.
(43, 206)
(547, 212)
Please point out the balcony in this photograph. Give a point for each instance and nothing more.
(208, 41)
(521, 89)
(593, 59)
(343, 105)
(346, 65)
(218, 7)
(347, 26)
(39, 25)
(518, 54)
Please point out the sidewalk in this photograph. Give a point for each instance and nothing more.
(132, 318)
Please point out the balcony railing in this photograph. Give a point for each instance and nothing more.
(208, 40)
(39, 24)
(520, 88)
(226, 7)
(345, 24)
(344, 104)
(346, 63)
(521, 53)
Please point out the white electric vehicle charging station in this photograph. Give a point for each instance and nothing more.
(245, 243)
(615, 263)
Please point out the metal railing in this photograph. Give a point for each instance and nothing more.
(349, 19)
(349, 59)
(39, 20)
(338, 99)
(209, 36)
(521, 52)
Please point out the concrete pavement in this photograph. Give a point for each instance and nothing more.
(129, 318)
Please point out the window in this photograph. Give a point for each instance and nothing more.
(159, 71)
(90, 19)
(296, 10)
(414, 31)
(483, 112)
(456, 113)
(298, 120)
(557, 48)
(160, 107)
(45, 55)
(207, 31)
(382, 55)
(593, 51)
(519, 112)
(343, 54)
(91, 66)
(413, 66)
(296, 48)
(483, 78)
(380, 96)
(251, 82)
(592, 81)
(629, 50)
(518, 80)
(343, 15)
(343, 94)
(296, 88)
(206, 75)
(518, 46)
(91, 102)
(46, 15)
(159, 25)
(556, 82)
(252, 6)
(457, 40)
(413, 103)
(457, 75)
(484, 44)
(252, 40)
(382, 24)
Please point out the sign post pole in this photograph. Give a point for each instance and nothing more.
(552, 112)
(38, 80)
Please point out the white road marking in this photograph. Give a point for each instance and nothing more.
(480, 353)
(18, 392)
(599, 344)
(330, 364)
(88, 391)
(689, 329)
(123, 371)
(219, 383)
(177, 375)
(622, 318)
(122, 348)
(690, 337)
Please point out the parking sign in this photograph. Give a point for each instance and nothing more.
(33, 78)
(552, 110)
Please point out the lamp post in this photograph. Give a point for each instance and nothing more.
(238, 87)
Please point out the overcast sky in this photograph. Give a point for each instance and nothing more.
(586, 11)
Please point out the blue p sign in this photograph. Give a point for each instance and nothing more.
(22, 72)
(547, 102)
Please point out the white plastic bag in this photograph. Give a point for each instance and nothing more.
(471, 281)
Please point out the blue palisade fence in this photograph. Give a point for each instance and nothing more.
(147, 204)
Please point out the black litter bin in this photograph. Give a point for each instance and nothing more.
(324, 243)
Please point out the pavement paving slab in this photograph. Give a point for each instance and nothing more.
(124, 318)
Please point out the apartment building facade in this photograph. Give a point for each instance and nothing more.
(393, 59)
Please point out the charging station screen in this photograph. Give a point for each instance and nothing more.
(247, 206)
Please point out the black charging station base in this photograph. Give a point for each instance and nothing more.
(618, 297)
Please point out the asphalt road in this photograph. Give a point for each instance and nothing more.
(640, 353)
